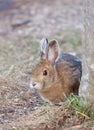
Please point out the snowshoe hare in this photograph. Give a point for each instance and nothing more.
(56, 74)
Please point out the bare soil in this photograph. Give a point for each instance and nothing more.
(22, 24)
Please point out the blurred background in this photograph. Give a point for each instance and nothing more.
(23, 23)
(39, 16)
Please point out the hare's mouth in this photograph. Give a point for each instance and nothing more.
(35, 85)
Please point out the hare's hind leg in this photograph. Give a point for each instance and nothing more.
(76, 88)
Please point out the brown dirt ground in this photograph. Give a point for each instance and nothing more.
(23, 23)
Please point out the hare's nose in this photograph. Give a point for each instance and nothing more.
(34, 84)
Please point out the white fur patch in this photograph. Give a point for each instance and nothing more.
(31, 86)
(37, 86)
(44, 45)
(45, 99)
(51, 54)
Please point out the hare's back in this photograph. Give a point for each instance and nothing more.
(72, 61)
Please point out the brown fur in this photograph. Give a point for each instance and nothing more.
(63, 75)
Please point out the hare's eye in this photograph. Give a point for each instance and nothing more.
(45, 72)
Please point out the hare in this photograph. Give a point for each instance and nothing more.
(56, 74)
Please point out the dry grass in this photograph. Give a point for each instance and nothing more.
(20, 108)
(17, 58)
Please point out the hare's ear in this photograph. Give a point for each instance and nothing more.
(44, 49)
(53, 51)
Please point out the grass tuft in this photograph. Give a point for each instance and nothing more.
(81, 105)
